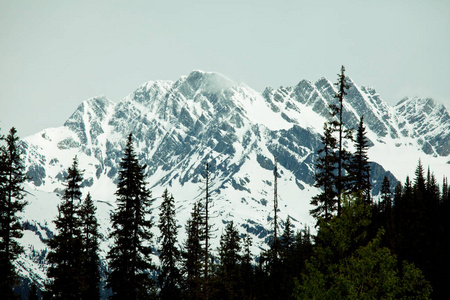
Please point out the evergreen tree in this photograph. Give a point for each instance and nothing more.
(399, 210)
(288, 268)
(130, 256)
(206, 233)
(403, 212)
(445, 190)
(90, 239)
(301, 252)
(247, 282)
(433, 195)
(420, 237)
(338, 126)
(359, 168)
(419, 180)
(287, 239)
(247, 255)
(386, 195)
(423, 225)
(169, 255)
(325, 177)
(440, 287)
(65, 256)
(193, 255)
(436, 239)
(334, 158)
(276, 242)
(387, 211)
(229, 255)
(418, 219)
(12, 177)
(408, 190)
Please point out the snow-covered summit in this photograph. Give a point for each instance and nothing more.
(180, 125)
(428, 122)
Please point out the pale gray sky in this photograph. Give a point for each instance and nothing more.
(55, 54)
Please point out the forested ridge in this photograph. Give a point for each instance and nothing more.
(394, 246)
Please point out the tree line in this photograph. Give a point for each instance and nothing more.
(192, 271)
(395, 247)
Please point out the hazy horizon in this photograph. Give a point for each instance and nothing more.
(56, 54)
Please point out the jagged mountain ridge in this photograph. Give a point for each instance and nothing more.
(415, 115)
(206, 117)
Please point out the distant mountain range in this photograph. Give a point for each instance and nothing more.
(206, 117)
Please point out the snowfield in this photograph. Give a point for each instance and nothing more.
(205, 117)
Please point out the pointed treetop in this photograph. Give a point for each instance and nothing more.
(130, 141)
(341, 84)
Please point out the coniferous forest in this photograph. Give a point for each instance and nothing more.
(395, 246)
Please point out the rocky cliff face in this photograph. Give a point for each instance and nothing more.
(206, 117)
(426, 121)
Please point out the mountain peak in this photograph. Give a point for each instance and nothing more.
(205, 116)
(323, 81)
(208, 81)
(99, 105)
(419, 104)
(426, 107)
(430, 121)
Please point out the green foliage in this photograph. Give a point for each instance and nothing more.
(346, 265)
(414, 285)
(343, 234)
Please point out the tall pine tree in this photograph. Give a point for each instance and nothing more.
(387, 211)
(230, 258)
(287, 263)
(90, 258)
(325, 177)
(206, 233)
(12, 177)
(247, 274)
(358, 167)
(193, 255)
(169, 255)
(288, 238)
(65, 256)
(130, 256)
(338, 126)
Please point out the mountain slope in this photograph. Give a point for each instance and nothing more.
(427, 121)
(206, 117)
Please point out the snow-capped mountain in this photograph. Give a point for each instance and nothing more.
(206, 117)
(427, 121)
